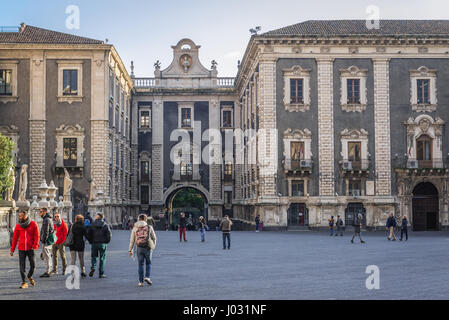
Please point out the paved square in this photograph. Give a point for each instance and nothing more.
(267, 265)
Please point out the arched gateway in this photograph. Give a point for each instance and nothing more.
(425, 207)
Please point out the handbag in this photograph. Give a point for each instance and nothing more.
(69, 239)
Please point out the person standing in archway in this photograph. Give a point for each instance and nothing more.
(391, 224)
(182, 227)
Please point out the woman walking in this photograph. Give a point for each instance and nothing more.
(78, 231)
(203, 228)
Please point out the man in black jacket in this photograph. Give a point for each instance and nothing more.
(47, 239)
(99, 235)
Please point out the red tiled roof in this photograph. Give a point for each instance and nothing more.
(30, 34)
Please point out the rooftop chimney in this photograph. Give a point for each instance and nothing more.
(23, 25)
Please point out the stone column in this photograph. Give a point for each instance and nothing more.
(215, 158)
(37, 121)
(382, 126)
(267, 146)
(326, 127)
(157, 163)
(134, 165)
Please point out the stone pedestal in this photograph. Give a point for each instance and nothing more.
(7, 222)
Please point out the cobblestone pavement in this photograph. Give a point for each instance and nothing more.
(266, 265)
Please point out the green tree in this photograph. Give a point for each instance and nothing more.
(6, 162)
(188, 197)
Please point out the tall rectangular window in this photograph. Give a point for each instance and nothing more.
(144, 195)
(298, 188)
(186, 117)
(354, 154)
(353, 91)
(5, 82)
(70, 82)
(145, 119)
(296, 150)
(117, 119)
(296, 91)
(145, 171)
(227, 119)
(228, 197)
(423, 86)
(70, 152)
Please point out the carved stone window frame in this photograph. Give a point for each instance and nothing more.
(426, 74)
(70, 65)
(143, 109)
(223, 109)
(354, 135)
(298, 135)
(353, 72)
(186, 105)
(70, 131)
(425, 125)
(144, 156)
(297, 72)
(12, 132)
(10, 65)
(290, 189)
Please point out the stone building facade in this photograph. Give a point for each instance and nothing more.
(65, 101)
(360, 116)
(183, 114)
(322, 118)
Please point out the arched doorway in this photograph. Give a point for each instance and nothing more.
(190, 201)
(352, 210)
(425, 207)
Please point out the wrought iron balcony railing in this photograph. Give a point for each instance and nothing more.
(421, 164)
(351, 165)
(298, 165)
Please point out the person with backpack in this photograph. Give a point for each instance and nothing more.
(391, 225)
(339, 226)
(58, 247)
(357, 223)
(331, 225)
(203, 228)
(48, 238)
(99, 235)
(404, 228)
(144, 238)
(26, 235)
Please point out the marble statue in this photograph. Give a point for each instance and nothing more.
(23, 183)
(10, 190)
(67, 186)
(93, 191)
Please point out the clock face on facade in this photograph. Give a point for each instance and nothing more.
(186, 62)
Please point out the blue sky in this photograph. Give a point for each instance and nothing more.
(144, 31)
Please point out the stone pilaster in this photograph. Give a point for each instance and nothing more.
(215, 149)
(267, 147)
(99, 156)
(382, 126)
(157, 164)
(134, 172)
(325, 127)
(36, 170)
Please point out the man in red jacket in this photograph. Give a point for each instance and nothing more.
(61, 235)
(26, 234)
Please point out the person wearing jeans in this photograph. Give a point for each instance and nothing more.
(203, 227)
(47, 238)
(61, 235)
(144, 238)
(225, 227)
(26, 236)
(99, 235)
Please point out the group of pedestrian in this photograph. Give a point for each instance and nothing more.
(223, 225)
(391, 225)
(55, 235)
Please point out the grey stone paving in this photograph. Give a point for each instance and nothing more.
(267, 265)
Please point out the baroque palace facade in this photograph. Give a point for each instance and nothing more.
(322, 118)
